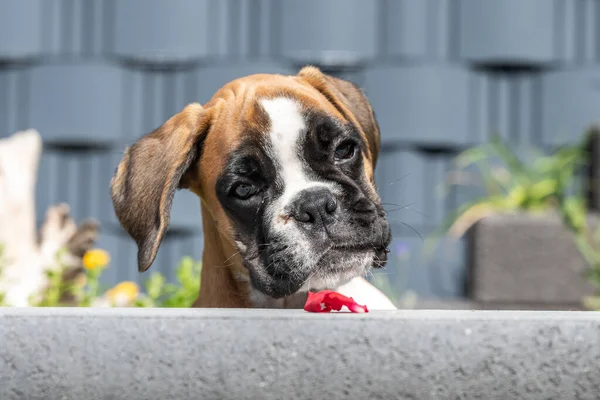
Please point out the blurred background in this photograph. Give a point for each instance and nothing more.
(442, 75)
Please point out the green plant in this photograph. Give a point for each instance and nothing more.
(513, 185)
(162, 294)
(545, 184)
(80, 287)
(51, 295)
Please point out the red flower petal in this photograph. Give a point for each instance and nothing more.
(316, 302)
(328, 300)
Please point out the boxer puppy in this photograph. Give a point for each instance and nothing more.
(284, 170)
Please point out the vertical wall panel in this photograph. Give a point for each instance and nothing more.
(47, 184)
(503, 32)
(77, 28)
(569, 104)
(411, 185)
(243, 29)
(504, 105)
(156, 31)
(436, 270)
(14, 100)
(419, 29)
(77, 103)
(334, 32)
(400, 177)
(104, 168)
(577, 23)
(78, 179)
(424, 104)
(151, 97)
(185, 212)
(20, 29)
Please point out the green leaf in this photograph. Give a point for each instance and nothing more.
(574, 213)
(545, 188)
(512, 162)
(182, 294)
(592, 303)
(471, 156)
(586, 251)
(154, 285)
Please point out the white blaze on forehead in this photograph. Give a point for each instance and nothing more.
(287, 124)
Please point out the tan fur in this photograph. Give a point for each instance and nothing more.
(166, 159)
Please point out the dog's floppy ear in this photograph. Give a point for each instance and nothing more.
(350, 100)
(150, 172)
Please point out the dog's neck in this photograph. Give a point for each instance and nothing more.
(224, 280)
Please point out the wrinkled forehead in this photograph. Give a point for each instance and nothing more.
(257, 112)
(278, 125)
(249, 104)
(252, 113)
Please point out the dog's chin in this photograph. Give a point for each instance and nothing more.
(338, 267)
(334, 268)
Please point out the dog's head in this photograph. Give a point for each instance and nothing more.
(284, 166)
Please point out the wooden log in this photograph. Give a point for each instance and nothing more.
(26, 255)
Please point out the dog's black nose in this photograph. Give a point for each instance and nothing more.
(314, 206)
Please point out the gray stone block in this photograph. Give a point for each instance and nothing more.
(504, 104)
(82, 180)
(420, 29)
(502, 32)
(13, 101)
(568, 108)
(244, 29)
(154, 31)
(421, 104)
(77, 103)
(83, 29)
(20, 29)
(577, 20)
(267, 354)
(334, 32)
(520, 258)
(151, 97)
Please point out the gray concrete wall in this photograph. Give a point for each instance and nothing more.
(264, 354)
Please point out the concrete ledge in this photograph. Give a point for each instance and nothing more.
(267, 354)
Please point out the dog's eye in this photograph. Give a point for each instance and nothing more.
(244, 191)
(345, 151)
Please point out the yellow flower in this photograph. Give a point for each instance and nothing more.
(122, 294)
(95, 259)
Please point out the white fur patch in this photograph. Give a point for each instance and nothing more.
(287, 127)
(320, 280)
(287, 124)
(365, 293)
